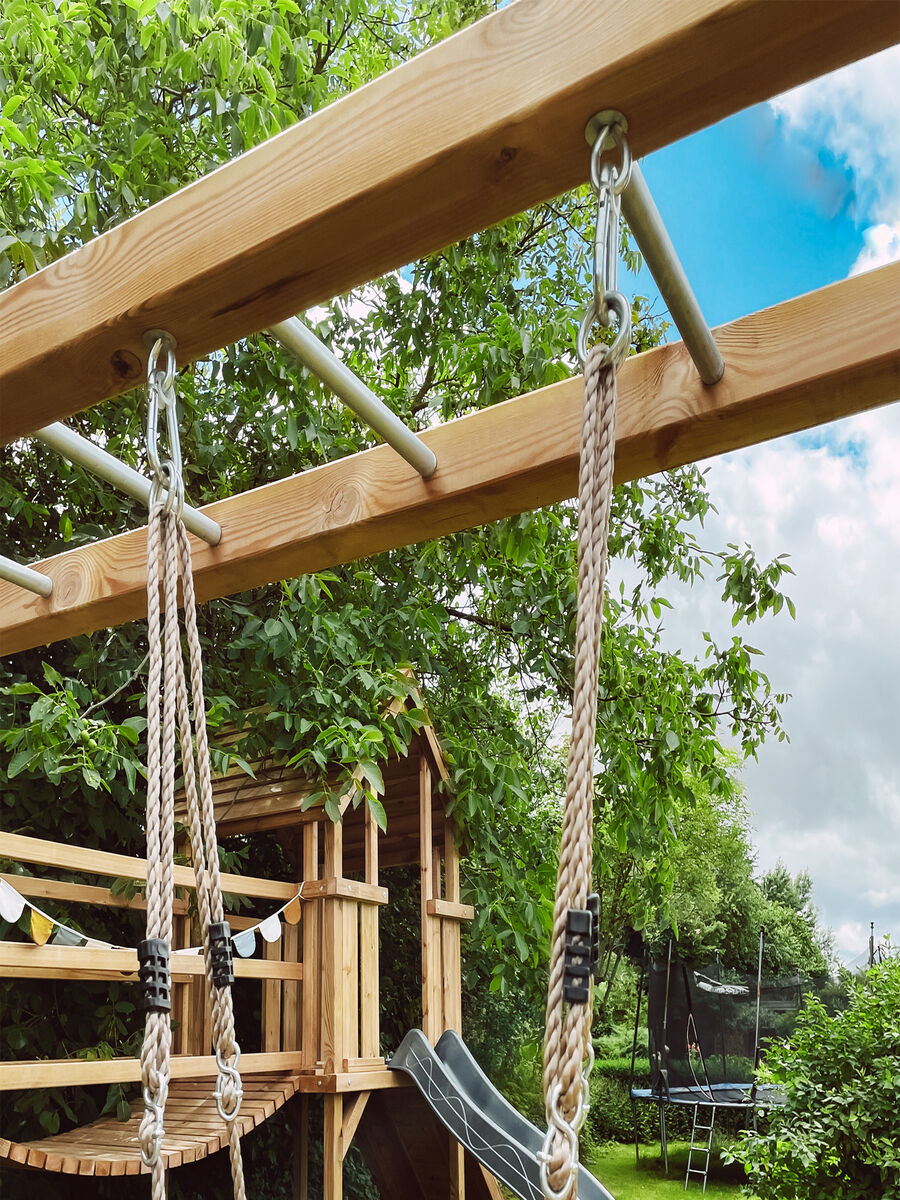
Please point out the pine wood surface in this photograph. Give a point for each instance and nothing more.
(787, 368)
(481, 126)
(193, 1130)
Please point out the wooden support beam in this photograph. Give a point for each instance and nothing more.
(482, 126)
(82, 1072)
(333, 1151)
(787, 369)
(120, 866)
(55, 960)
(354, 1107)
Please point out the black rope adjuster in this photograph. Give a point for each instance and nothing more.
(577, 964)
(220, 954)
(153, 973)
(593, 903)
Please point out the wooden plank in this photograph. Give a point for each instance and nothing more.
(432, 1008)
(785, 371)
(300, 1178)
(451, 975)
(100, 862)
(312, 977)
(350, 982)
(451, 865)
(370, 842)
(291, 991)
(333, 996)
(482, 126)
(332, 1147)
(354, 1107)
(271, 1003)
(452, 910)
(79, 893)
(81, 1072)
(349, 889)
(55, 960)
(369, 1027)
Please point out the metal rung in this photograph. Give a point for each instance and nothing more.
(25, 577)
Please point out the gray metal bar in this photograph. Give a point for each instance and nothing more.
(78, 449)
(304, 345)
(659, 254)
(25, 577)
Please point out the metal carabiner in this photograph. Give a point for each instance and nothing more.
(155, 1105)
(618, 351)
(228, 1072)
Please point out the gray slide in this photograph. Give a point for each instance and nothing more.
(464, 1099)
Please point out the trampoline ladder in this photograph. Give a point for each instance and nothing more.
(700, 1148)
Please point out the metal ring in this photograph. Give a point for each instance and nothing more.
(621, 177)
(164, 341)
(228, 1071)
(617, 352)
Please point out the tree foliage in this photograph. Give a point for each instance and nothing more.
(837, 1137)
(110, 107)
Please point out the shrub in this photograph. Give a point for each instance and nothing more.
(838, 1135)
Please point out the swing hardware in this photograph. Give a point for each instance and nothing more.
(607, 183)
(578, 958)
(220, 954)
(229, 1086)
(166, 477)
(155, 1106)
(593, 903)
(153, 973)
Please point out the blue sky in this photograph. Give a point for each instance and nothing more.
(784, 198)
(755, 217)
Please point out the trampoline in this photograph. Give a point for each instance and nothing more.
(706, 1031)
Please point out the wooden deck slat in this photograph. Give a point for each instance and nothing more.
(194, 1130)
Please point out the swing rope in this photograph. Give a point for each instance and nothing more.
(568, 1052)
(172, 697)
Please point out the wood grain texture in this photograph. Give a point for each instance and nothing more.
(54, 961)
(786, 369)
(81, 1072)
(193, 1130)
(482, 126)
(101, 862)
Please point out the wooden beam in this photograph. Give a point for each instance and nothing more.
(56, 960)
(483, 125)
(787, 368)
(20, 848)
(83, 1072)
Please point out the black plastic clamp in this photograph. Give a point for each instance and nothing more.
(153, 973)
(577, 963)
(220, 954)
(593, 903)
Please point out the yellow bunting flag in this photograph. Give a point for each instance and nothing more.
(41, 928)
(292, 911)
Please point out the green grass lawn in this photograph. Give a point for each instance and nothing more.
(614, 1167)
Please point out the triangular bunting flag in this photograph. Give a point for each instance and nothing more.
(41, 928)
(245, 942)
(270, 928)
(11, 903)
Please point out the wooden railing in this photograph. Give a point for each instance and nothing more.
(280, 970)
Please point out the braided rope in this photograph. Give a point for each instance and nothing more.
(169, 721)
(567, 1036)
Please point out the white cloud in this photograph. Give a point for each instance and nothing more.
(828, 801)
(852, 113)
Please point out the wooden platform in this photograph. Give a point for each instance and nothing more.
(194, 1130)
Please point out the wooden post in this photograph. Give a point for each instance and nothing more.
(369, 1019)
(300, 1122)
(334, 997)
(312, 981)
(432, 1008)
(457, 1170)
(450, 936)
(271, 1002)
(333, 1183)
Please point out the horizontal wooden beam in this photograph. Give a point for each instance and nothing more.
(82, 893)
(83, 1072)
(484, 125)
(802, 363)
(43, 853)
(55, 961)
(451, 909)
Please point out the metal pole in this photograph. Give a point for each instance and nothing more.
(78, 449)
(304, 345)
(659, 254)
(25, 577)
(762, 938)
